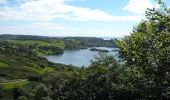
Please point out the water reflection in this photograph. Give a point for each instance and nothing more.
(79, 58)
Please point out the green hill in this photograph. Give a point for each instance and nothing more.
(42, 47)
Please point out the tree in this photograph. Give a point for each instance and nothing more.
(147, 49)
(42, 92)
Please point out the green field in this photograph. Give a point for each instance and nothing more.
(42, 47)
(14, 84)
(59, 44)
(42, 70)
(3, 65)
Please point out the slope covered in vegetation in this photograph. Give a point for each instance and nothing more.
(70, 43)
(42, 47)
(19, 61)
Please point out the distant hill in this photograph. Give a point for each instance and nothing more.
(69, 42)
(25, 37)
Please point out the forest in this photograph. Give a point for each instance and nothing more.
(141, 73)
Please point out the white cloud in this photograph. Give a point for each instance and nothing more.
(51, 29)
(40, 26)
(3, 1)
(138, 6)
(36, 28)
(43, 26)
(46, 10)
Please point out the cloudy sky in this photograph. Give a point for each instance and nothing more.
(100, 18)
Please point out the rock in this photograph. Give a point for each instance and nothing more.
(99, 50)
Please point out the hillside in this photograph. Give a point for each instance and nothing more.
(21, 56)
(19, 61)
(85, 42)
(42, 47)
(69, 42)
(21, 65)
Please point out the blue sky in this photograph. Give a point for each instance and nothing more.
(99, 18)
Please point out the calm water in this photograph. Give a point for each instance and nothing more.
(77, 57)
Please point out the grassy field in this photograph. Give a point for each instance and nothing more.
(3, 65)
(41, 71)
(54, 43)
(42, 47)
(14, 84)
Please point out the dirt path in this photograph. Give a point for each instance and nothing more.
(13, 81)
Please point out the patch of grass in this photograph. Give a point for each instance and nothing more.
(46, 69)
(3, 65)
(11, 85)
(59, 44)
(41, 71)
(42, 47)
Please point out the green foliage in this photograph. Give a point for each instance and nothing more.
(147, 54)
(22, 98)
(42, 93)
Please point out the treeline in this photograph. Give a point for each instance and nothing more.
(85, 42)
(70, 42)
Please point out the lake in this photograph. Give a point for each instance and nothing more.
(78, 58)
